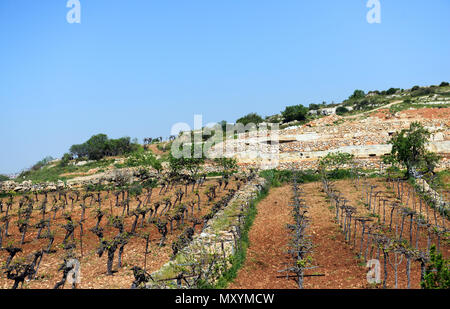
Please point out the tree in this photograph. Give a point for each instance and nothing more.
(191, 164)
(295, 112)
(99, 146)
(250, 118)
(314, 107)
(335, 161)
(3, 178)
(226, 164)
(391, 91)
(409, 149)
(444, 84)
(357, 94)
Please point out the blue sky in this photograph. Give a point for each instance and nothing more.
(134, 68)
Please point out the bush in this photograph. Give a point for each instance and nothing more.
(250, 118)
(143, 159)
(65, 159)
(295, 112)
(421, 92)
(341, 110)
(42, 163)
(3, 178)
(392, 91)
(314, 107)
(437, 274)
(444, 84)
(277, 178)
(357, 94)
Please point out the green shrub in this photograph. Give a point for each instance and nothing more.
(421, 92)
(295, 112)
(357, 94)
(341, 110)
(314, 107)
(143, 159)
(392, 91)
(276, 178)
(437, 274)
(65, 159)
(250, 118)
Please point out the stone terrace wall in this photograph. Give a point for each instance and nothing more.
(215, 246)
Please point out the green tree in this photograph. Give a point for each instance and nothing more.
(191, 164)
(3, 178)
(99, 146)
(409, 149)
(314, 106)
(392, 91)
(295, 112)
(250, 118)
(357, 94)
(335, 160)
(226, 164)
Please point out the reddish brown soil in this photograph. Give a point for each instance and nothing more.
(155, 150)
(356, 200)
(428, 113)
(331, 254)
(268, 237)
(381, 114)
(93, 268)
(336, 259)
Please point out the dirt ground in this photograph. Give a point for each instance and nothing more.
(93, 268)
(336, 259)
(269, 238)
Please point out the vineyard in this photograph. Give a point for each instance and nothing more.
(109, 235)
(312, 232)
(337, 231)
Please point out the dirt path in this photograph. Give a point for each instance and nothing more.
(269, 238)
(373, 110)
(268, 241)
(332, 255)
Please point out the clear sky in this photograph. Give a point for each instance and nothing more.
(136, 67)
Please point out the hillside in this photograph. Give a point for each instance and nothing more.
(233, 220)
